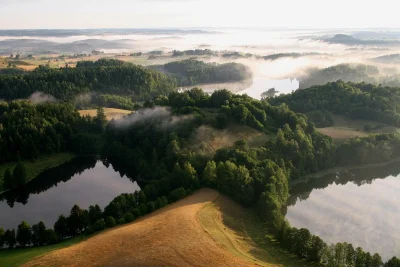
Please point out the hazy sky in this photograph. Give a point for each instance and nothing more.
(23, 14)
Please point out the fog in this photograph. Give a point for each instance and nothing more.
(40, 97)
(257, 42)
(161, 115)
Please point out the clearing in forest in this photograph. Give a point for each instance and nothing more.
(111, 113)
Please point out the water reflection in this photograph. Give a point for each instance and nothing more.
(358, 206)
(83, 181)
(255, 87)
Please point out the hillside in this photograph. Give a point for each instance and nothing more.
(171, 236)
(174, 236)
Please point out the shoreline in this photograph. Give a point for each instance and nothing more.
(312, 176)
(64, 158)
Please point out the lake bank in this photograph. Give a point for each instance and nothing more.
(34, 168)
(312, 176)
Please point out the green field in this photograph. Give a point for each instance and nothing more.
(34, 168)
(344, 128)
(240, 231)
(17, 257)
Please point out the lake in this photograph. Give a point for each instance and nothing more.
(83, 181)
(361, 207)
(254, 87)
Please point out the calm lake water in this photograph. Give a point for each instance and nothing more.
(83, 181)
(361, 207)
(255, 87)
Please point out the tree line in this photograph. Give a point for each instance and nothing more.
(104, 75)
(125, 208)
(29, 131)
(352, 100)
(192, 71)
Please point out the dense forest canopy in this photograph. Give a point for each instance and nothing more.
(350, 73)
(344, 72)
(28, 131)
(192, 71)
(155, 143)
(353, 100)
(105, 76)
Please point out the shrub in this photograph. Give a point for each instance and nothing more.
(110, 222)
(177, 194)
(128, 217)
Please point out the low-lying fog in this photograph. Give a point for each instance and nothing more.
(330, 47)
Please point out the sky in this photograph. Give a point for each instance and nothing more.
(84, 14)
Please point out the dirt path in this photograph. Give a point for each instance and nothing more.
(171, 236)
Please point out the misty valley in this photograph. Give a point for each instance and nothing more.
(284, 142)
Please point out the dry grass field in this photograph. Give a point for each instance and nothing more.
(172, 236)
(204, 229)
(111, 113)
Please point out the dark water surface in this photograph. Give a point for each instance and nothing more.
(361, 207)
(83, 181)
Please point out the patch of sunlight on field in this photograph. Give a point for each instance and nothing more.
(239, 231)
(111, 113)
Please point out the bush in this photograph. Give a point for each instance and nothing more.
(136, 212)
(128, 217)
(177, 194)
(99, 225)
(121, 221)
(110, 222)
(151, 207)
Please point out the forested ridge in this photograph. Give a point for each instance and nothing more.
(192, 71)
(352, 100)
(356, 73)
(104, 76)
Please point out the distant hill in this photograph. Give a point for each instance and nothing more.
(350, 40)
(390, 59)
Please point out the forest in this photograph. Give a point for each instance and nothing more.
(192, 71)
(352, 100)
(156, 143)
(103, 76)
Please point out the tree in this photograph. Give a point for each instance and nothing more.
(177, 194)
(8, 181)
(9, 238)
(1, 237)
(100, 119)
(20, 174)
(39, 235)
(128, 217)
(110, 221)
(95, 214)
(189, 176)
(393, 262)
(61, 227)
(76, 220)
(24, 234)
(210, 174)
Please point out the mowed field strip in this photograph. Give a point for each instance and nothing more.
(172, 236)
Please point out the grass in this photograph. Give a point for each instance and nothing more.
(344, 128)
(240, 232)
(17, 257)
(111, 113)
(209, 139)
(34, 168)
